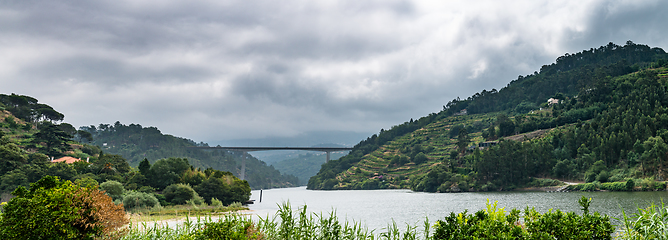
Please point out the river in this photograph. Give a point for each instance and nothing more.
(378, 208)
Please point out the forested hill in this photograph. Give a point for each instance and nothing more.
(608, 123)
(136, 143)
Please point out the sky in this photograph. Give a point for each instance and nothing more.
(224, 70)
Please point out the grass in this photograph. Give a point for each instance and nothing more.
(286, 224)
(181, 211)
(648, 223)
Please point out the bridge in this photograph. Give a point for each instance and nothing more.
(328, 150)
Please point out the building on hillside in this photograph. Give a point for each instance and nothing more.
(462, 112)
(487, 144)
(553, 101)
(67, 159)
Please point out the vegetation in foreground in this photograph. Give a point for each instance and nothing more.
(490, 223)
(55, 209)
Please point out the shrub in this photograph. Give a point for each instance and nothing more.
(54, 209)
(216, 203)
(648, 223)
(179, 193)
(590, 176)
(603, 176)
(233, 228)
(133, 200)
(630, 185)
(494, 223)
(420, 158)
(113, 188)
(614, 186)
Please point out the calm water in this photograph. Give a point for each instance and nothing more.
(377, 208)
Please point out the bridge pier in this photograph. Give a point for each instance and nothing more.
(245, 151)
(242, 173)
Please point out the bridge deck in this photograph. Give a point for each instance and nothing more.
(252, 149)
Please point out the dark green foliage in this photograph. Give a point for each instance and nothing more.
(28, 109)
(136, 143)
(144, 167)
(51, 140)
(462, 140)
(420, 158)
(178, 193)
(133, 200)
(399, 160)
(11, 157)
(231, 228)
(630, 185)
(227, 189)
(607, 119)
(54, 209)
(493, 223)
(165, 172)
(113, 188)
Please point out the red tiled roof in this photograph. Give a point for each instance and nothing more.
(67, 159)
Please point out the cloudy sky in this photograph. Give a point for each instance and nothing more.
(220, 70)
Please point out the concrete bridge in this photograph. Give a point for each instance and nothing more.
(328, 150)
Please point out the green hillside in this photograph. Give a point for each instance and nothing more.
(136, 143)
(31, 138)
(609, 125)
(304, 166)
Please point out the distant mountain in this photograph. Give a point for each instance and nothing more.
(304, 164)
(607, 120)
(344, 138)
(136, 143)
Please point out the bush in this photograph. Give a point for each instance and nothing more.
(216, 203)
(179, 193)
(648, 223)
(113, 188)
(603, 176)
(420, 158)
(614, 186)
(133, 200)
(233, 228)
(630, 185)
(590, 177)
(54, 209)
(494, 223)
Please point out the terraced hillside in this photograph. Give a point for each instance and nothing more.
(597, 116)
(376, 170)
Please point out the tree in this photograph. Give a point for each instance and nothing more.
(655, 154)
(214, 188)
(165, 172)
(144, 167)
(52, 139)
(462, 140)
(113, 188)
(420, 158)
(84, 136)
(67, 128)
(506, 126)
(54, 209)
(179, 193)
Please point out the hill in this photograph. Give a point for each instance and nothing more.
(608, 124)
(136, 143)
(306, 165)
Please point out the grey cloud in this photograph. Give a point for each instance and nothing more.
(216, 70)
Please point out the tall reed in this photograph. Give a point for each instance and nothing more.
(286, 224)
(648, 223)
